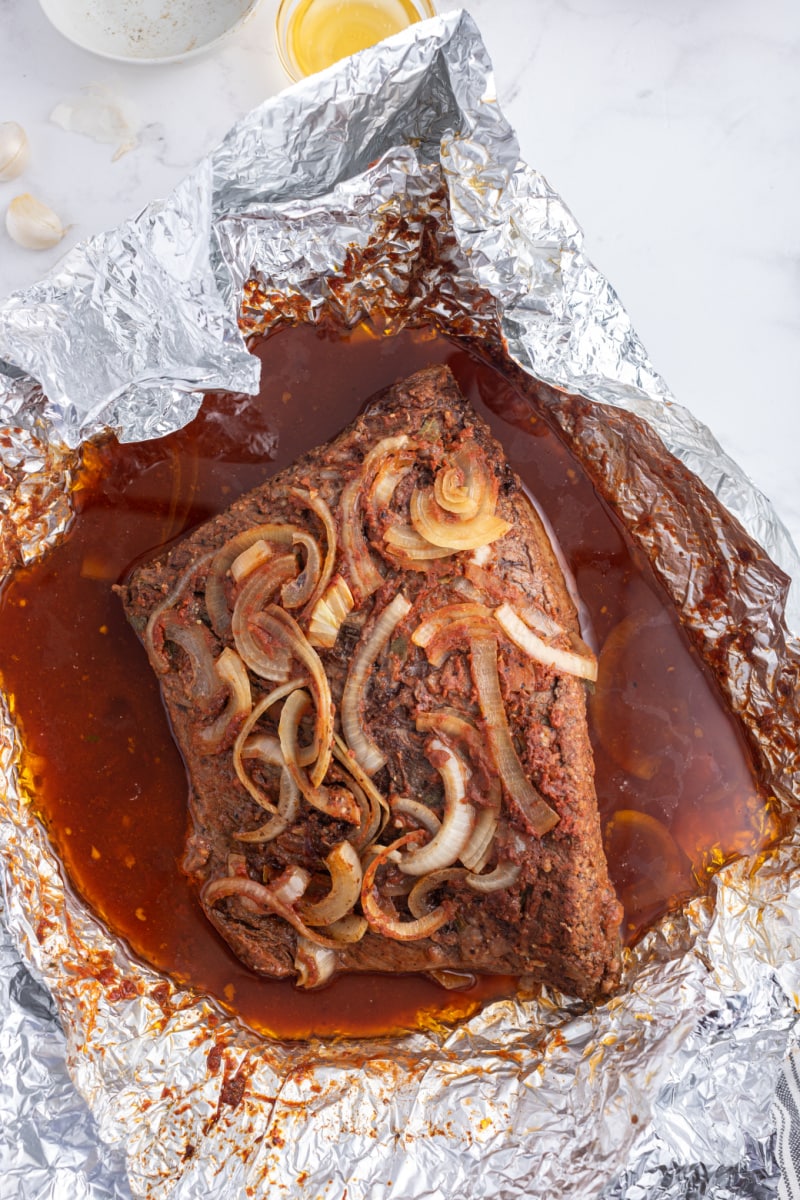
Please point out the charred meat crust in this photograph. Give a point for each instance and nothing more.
(559, 920)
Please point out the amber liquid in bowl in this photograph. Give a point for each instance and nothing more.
(314, 34)
(673, 774)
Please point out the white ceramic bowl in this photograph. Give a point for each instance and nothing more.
(146, 31)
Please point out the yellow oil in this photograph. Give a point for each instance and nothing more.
(320, 32)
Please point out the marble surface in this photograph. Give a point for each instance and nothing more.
(671, 130)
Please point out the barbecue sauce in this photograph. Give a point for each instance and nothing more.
(674, 779)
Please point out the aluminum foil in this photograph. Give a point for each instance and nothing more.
(325, 198)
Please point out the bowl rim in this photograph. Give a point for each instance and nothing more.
(51, 11)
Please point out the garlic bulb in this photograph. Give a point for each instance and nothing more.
(14, 150)
(32, 224)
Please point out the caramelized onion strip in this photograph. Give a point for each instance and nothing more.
(258, 591)
(161, 664)
(584, 666)
(349, 929)
(458, 819)
(329, 613)
(281, 627)
(314, 964)
(504, 876)
(425, 818)
(466, 486)
(299, 591)
(444, 616)
(453, 725)
(195, 641)
(407, 543)
(379, 911)
(264, 704)
(448, 530)
(417, 897)
(233, 675)
(286, 815)
(348, 760)
(216, 601)
(250, 560)
(368, 755)
(537, 814)
(337, 803)
(314, 501)
(364, 577)
(345, 871)
(266, 899)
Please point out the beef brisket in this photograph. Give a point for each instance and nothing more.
(373, 670)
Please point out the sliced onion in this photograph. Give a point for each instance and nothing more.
(265, 703)
(314, 501)
(300, 590)
(391, 471)
(466, 485)
(447, 530)
(417, 898)
(376, 799)
(291, 884)
(222, 732)
(381, 913)
(329, 613)
(161, 664)
(412, 545)
(458, 819)
(250, 559)
(566, 661)
(452, 724)
(237, 865)
(281, 627)
(363, 575)
(195, 641)
(286, 815)
(452, 495)
(451, 628)
(264, 748)
(216, 601)
(349, 929)
(481, 556)
(444, 616)
(425, 818)
(344, 866)
(258, 591)
(478, 849)
(364, 749)
(315, 965)
(266, 899)
(503, 876)
(537, 814)
(337, 803)
(454, 981)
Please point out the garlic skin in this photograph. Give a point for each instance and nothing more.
(32, 224)
(14, 150)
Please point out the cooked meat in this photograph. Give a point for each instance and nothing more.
(373, 669)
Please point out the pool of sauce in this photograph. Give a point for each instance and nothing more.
(674, 780)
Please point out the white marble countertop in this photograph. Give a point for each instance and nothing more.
(672, 131)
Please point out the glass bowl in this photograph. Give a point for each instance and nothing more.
(313, 34)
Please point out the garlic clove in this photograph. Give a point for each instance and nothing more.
(32, 224)
(14, 150)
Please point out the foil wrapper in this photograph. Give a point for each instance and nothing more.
(325, 198)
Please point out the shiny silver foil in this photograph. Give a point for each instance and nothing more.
(664, 1091)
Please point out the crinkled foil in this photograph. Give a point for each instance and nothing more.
(325, 199)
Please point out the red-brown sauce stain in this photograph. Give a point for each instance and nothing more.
(675, 784)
